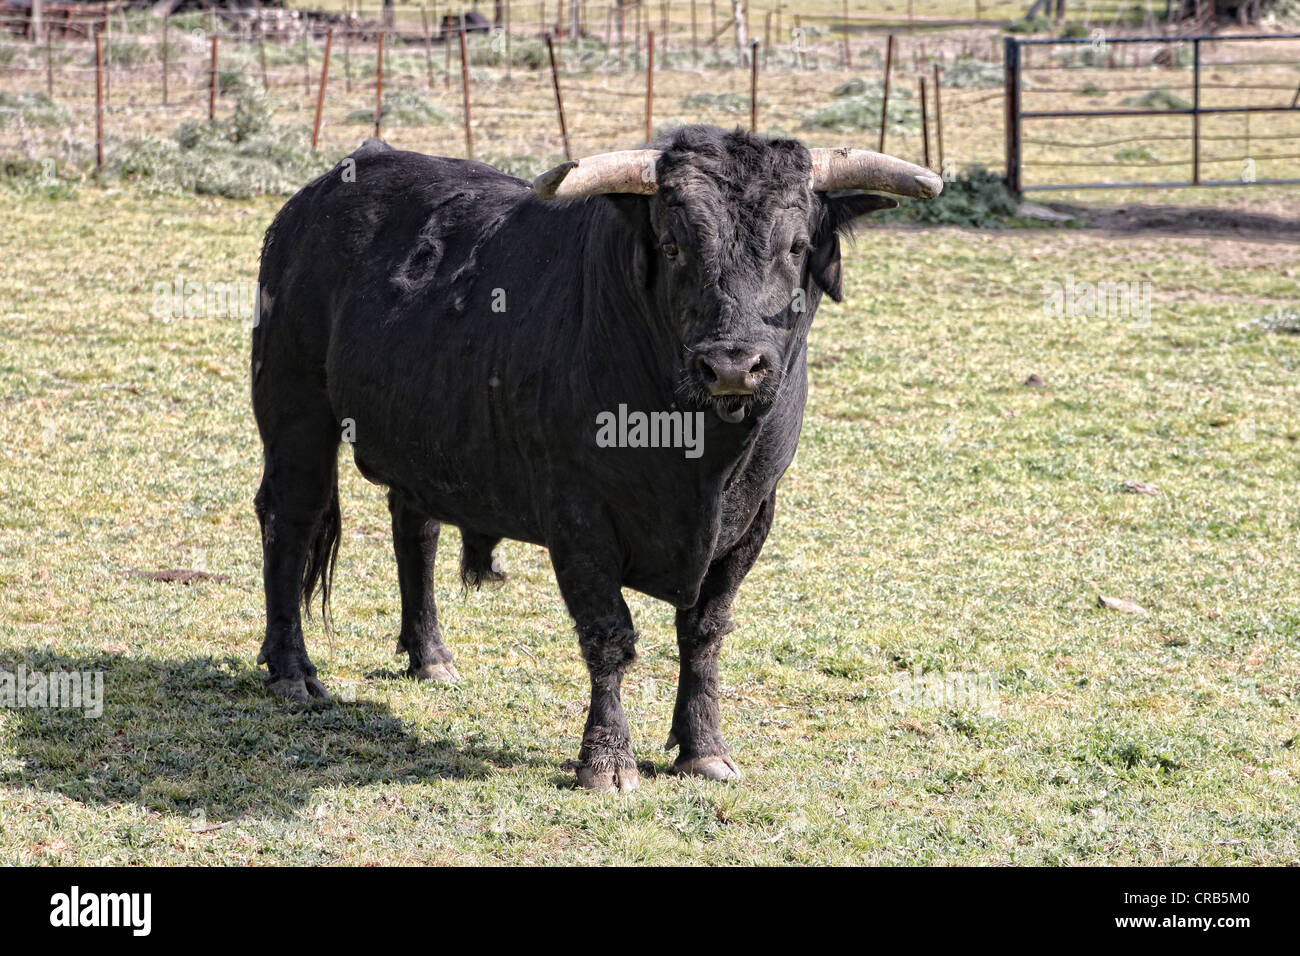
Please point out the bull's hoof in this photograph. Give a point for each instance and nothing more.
(301, 690)
(440, 672)
(712, 767)
(619, 779)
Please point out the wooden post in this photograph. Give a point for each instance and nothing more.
(559, 103)
(99, 102)
(753, 85)
(925, 126)
(379, 84)
(428, 44)
(212, 82)
(107, 31)
(884, 100)
(649, 86)
(938, 116)
(320, 94)
(464, 86)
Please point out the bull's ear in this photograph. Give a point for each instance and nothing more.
(838, 216)
(634, 211)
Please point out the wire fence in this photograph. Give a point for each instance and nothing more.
(131, 92)
(94, 87)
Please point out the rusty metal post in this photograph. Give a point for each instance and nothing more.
(347, 57)
(49, 62)
(212, 82)
(925, 127)
(464, 87)
(848, 58)
(753, 85)
(649, 86)
(99, 102)
(379, 84)
(559, 102)
(884, 100)
(428, 44)
(261, 56)
(320, 94)
(695, 38)
(938, 116)
(446, 59)
(166, 55)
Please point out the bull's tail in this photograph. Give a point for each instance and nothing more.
(322, 556)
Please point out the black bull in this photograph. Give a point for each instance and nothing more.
(468, 338)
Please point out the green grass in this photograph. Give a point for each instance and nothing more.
(940, 515)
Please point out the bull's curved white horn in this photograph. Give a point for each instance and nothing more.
(625, 171)
(847, 168)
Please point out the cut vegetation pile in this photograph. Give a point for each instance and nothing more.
(243, 156)
(403, 107)
(977, 197)
(856, 107)
(27, 108)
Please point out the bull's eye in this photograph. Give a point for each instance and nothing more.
(798, 248)
(669, 248)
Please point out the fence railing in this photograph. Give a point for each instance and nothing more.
(1174, 56)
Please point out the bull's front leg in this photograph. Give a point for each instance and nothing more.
(697, 718)
(593, 594)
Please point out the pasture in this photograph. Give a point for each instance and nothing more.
(957, 507)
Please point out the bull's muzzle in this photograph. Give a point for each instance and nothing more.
(735, 370)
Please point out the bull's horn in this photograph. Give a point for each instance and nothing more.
(626, 171)
(862, 169)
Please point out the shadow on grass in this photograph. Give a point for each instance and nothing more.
(1134, 218)
(202, 734)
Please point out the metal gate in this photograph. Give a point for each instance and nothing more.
(1103, 56)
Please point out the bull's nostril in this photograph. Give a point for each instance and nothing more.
(707, 372)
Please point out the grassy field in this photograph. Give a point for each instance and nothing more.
(942, 516)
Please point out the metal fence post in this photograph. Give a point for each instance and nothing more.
(1196, 112)
(1011, 51)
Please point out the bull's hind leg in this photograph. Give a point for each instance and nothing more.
(593, 595)
(697, 719)
(298, 508)
(415, 543)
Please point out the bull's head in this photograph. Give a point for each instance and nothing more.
(740, 238)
